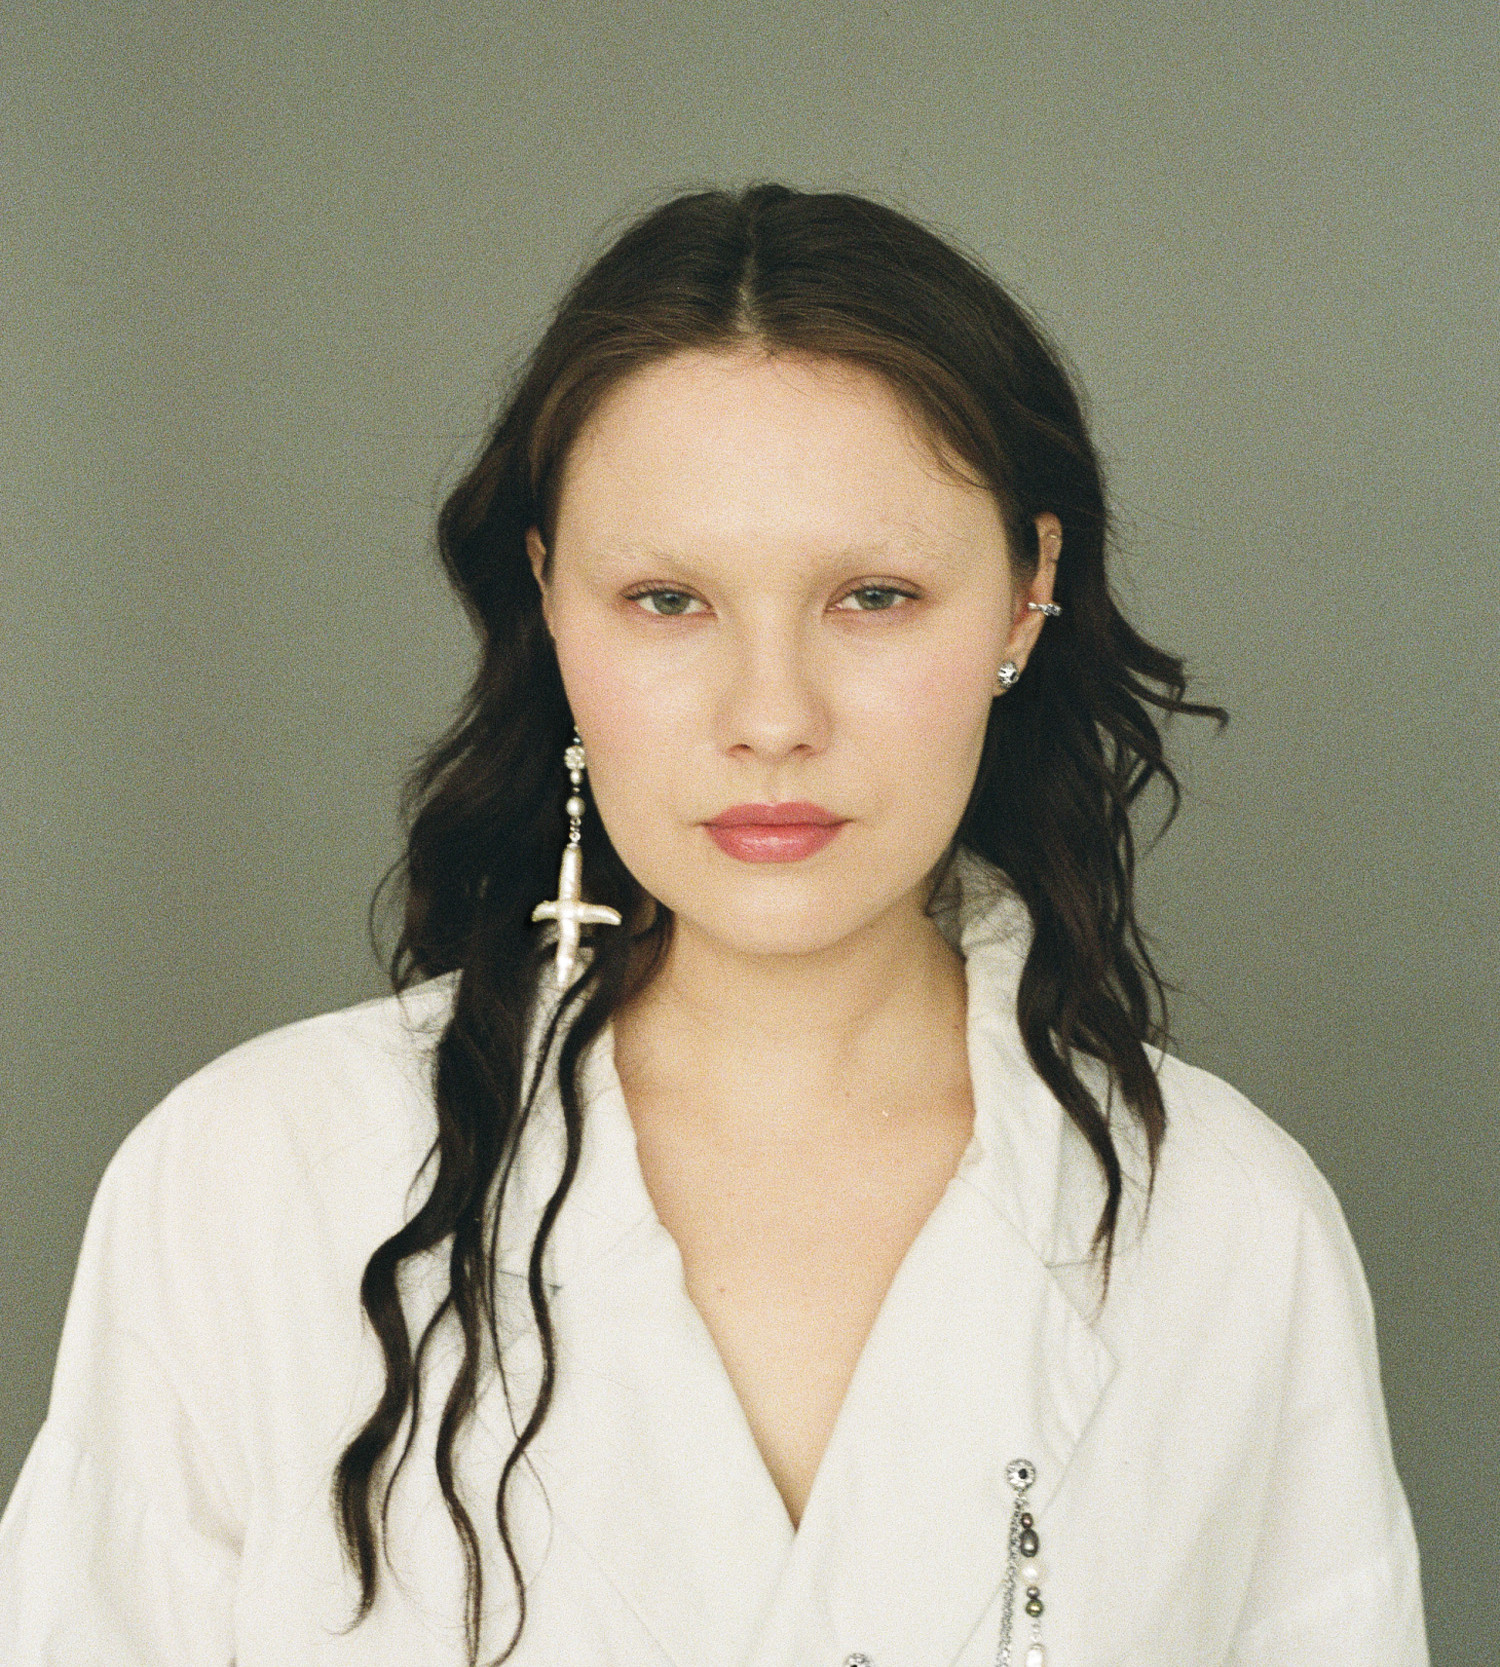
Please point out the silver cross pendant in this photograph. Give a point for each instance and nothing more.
(571, 913)
(568, 909)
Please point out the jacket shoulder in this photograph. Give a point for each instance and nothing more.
(1225, 1147)
(1239, 1212)
(321, 1080)
(315, 1131)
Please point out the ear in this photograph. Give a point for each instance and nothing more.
(1026, 622)
(536, 553)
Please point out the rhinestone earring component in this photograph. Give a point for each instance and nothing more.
(567, 908)
(1008, 675)
(1022, 1568)
(1053, 610)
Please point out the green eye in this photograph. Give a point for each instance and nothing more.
(665, 603)
(876, 598)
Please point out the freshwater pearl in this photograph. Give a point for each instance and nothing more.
(1036, 1656)
(1031, 1572)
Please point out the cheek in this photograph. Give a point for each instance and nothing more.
(634, 725)
(926, 727)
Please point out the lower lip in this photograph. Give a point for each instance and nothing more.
(760, 842)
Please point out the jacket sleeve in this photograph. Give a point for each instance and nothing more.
(120, 1544)
(1335, 1578)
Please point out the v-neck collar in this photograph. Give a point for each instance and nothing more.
(976, 1357)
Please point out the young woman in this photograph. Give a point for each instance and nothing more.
(779, 1239)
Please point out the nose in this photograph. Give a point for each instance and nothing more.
(773, 703)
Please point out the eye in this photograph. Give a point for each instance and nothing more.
(665, 604)
(872, 599)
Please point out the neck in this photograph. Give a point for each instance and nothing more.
(798, 1036)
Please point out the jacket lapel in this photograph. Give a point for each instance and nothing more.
(977, 1357)
(646, 1456)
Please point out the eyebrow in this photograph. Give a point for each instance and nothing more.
(911, 545)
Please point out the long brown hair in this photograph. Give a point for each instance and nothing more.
(1066, 756)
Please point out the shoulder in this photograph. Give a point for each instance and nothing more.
(1227, 1153)
(1241, 1215)
(324, 1055)
(329, 1117)
(216, 1294)
(1246, 1359)
(319, 1082)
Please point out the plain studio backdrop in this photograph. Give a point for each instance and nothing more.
(265, 268)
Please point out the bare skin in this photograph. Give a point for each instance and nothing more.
(793, 1206)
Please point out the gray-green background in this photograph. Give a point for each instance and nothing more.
(264, 267)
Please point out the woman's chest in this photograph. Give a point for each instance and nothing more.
(787, 1255)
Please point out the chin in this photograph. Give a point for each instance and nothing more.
(770, 912)
(772, 937)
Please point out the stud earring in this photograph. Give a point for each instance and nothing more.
(1052, 610)
(567, 908)
(1008, 676)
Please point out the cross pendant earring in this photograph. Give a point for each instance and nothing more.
(567, 908)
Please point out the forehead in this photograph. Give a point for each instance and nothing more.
(755, 440)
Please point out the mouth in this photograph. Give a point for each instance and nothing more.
(785, 832)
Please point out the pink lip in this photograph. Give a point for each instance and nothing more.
(773, 833)
(793, 813)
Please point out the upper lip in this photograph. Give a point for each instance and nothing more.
(794, 812)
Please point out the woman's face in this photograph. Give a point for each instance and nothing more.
(765, 588)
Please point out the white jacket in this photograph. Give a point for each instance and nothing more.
(1215, 1482)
